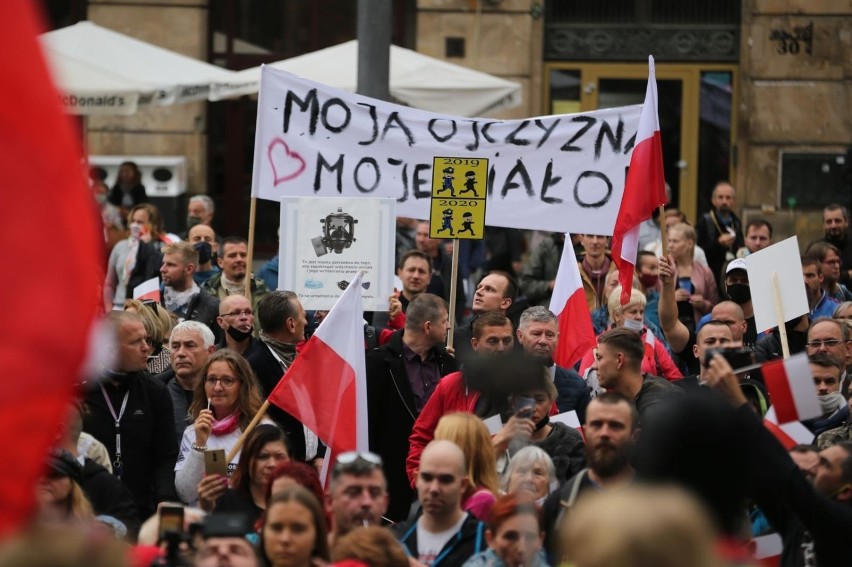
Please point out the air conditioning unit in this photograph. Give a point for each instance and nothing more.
(162, 176)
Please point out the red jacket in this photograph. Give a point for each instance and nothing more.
(450, 395)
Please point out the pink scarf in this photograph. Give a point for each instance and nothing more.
(226, 425)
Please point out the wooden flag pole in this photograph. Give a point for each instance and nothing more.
(250, 256)
(238, 445)
(451, 308)
(664, 232)
(779, 312)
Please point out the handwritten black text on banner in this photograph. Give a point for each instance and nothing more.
(557, 173)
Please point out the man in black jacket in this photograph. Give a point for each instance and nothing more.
(720, 231)
(181, 295)
(454, 535)
(401, 376)
(132, 415)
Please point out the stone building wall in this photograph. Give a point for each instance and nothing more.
(795, 94)
(178, 25)
(503, 39)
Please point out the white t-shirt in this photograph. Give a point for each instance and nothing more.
(429, 545)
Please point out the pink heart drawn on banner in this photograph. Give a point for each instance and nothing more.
(286, 165)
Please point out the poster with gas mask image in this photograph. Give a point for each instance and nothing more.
(324, 242)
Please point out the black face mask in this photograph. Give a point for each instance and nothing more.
(739, 293)
(205, 252)
(238, 335)
(540, 425)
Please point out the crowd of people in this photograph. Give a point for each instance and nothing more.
(473, 460)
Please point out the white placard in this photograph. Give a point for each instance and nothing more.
(569, 418)
(783, 259)
(558, 173)
(323, 241)
(494, 424)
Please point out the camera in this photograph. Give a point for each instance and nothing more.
(737, 357)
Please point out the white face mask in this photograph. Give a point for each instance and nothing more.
(633, 325)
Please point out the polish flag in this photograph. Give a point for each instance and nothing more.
(39, 142)
(789, 434)
(149, 289)
(644, 190)
(791, 386)
(326, 386)
(568, 303)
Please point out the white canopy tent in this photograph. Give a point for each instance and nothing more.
(94, 65)
(416, 80)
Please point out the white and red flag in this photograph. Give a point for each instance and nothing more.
(791, 386)
(326, 386)
(568, 303)
(789, 434)
(149, 289)
(644, 189)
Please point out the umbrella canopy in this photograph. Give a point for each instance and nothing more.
(417, 80)
(92, 62)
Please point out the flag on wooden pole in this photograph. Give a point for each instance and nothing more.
(644, 190)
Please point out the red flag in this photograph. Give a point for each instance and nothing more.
(644, 190)
(326, 386)
(791, 386)
(48, 225)
(568, 303)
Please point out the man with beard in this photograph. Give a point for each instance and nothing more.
(720, 231)
(611, 430)
(835, 222)
(181, 295)
(538, 333)
(236, 319)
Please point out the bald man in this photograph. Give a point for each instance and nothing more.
(444, 535)
(236, 319)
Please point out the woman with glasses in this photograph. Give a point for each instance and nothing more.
(225, 401)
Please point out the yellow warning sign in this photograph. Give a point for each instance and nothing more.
(458, 198)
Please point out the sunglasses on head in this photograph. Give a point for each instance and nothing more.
(351, 456)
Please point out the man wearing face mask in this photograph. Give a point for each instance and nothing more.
(826, 371)
(205, 241)
(199, 210)
(236, 319)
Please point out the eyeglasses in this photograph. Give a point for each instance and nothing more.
(828, 343)
(246, 312)
(350, 457)
(226, 382)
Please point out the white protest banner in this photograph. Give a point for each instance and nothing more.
(324, 241)
(783, 259)
(556, 173)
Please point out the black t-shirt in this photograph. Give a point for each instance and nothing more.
(235, 502)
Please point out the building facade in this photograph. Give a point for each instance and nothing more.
(755, 91)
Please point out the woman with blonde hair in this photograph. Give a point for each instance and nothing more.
(470, 434)
(226, 399)
(696, 291)
(158, 324)
(657, 360)
(60, 498)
